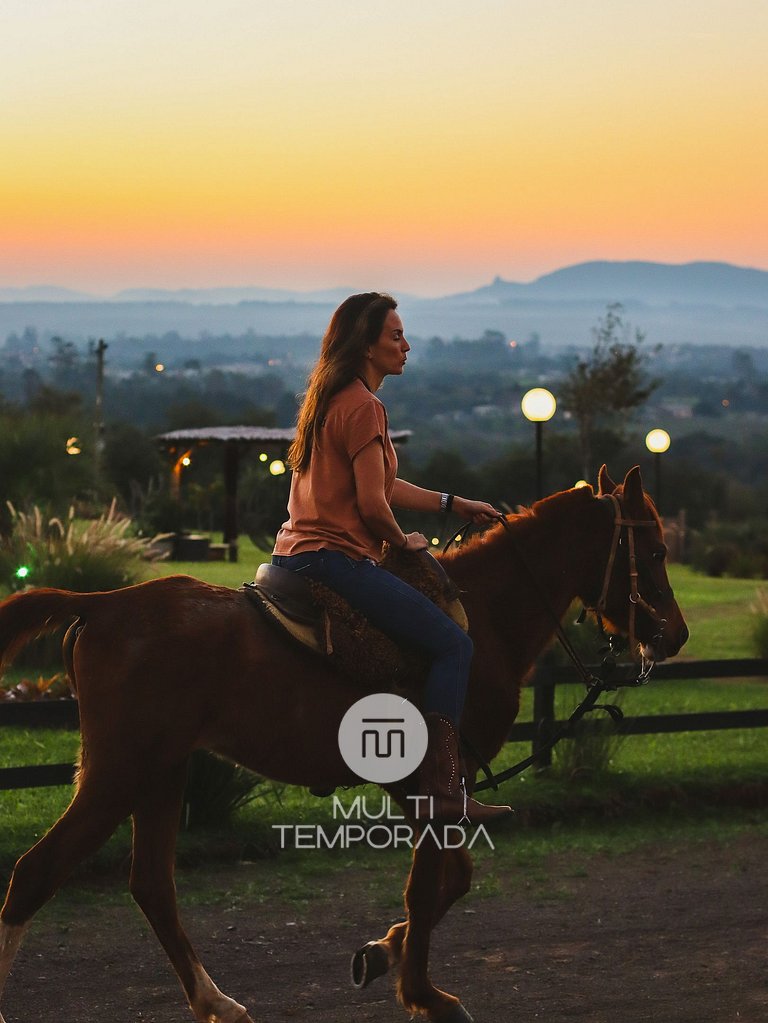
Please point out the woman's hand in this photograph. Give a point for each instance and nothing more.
(415, 542)
(477, 512)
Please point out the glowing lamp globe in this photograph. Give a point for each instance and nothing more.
(538, 405)
(657, 441)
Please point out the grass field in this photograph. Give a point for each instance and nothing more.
(652, 782)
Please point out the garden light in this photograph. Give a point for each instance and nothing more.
(277, 468)
(22, 572)
(538, 406)
(73, 446)
(657, 441)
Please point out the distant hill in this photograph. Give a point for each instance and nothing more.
(720, 284)
(697, 303)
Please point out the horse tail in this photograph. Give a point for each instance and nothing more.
(25, 616)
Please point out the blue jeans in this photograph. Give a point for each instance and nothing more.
(402, 613)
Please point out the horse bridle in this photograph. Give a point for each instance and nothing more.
(636, 599)
(596, 686)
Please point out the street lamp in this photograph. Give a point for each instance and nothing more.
(657, 442)
(538, 407)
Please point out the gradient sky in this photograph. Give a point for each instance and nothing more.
(416, 145)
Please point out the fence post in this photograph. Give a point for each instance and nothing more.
(543, 717)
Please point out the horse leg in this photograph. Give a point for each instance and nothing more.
(422, 899)
(84, 826)
(377, 957)
(155, 823)
(10, 942)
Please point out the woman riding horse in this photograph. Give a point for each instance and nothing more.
(343, 488)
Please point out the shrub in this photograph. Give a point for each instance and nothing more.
(69, 554)
(591, 749)
(98, 555)
(738, 549)
(595, 742)
(215, 789)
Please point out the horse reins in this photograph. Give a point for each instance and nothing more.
(596, 685)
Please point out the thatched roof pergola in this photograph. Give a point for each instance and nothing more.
(179, 445)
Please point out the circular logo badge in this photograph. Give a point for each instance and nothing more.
(383, 738)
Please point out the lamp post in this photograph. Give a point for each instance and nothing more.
(538, 407)
(657, 442)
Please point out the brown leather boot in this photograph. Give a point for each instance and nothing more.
(441, 779)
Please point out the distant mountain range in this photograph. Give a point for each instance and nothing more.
(705, 303)
(650, 283)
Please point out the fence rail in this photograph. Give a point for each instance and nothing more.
(64, 714)
(545, 725)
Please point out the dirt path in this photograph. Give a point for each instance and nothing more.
(675, 936)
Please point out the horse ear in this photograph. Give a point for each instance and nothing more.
(605, 484)
(633, 491)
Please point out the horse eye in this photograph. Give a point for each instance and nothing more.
(659, 555)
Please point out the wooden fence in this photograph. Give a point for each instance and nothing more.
(544, 725)
(64, 714)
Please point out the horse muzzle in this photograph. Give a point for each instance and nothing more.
(666, 643)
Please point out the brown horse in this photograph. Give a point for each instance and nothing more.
(172, 665)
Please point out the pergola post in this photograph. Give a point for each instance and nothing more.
(231, 472)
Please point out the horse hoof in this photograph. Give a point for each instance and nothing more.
(368, 963)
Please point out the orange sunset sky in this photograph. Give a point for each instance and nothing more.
(422, 146)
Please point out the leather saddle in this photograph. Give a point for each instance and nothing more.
(322, 621)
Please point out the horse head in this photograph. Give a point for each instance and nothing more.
(636, 597)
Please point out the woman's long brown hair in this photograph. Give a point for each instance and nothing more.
(356, 324)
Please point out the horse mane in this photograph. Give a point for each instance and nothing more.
(549, 511)
(522, 523)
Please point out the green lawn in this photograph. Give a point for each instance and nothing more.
(719, 613)
(221, 573)
(650, 778)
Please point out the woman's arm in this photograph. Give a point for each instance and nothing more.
(368, 468)
(408, 495)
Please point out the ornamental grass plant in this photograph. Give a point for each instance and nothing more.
(69, 553)
(216, 789)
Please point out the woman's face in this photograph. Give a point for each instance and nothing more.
(388, 355)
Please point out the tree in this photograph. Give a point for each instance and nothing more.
(35, 467)
(64, 360)
(610, 380)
